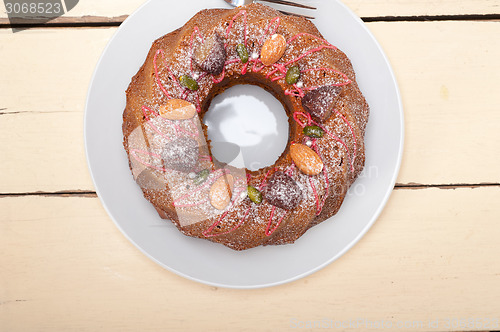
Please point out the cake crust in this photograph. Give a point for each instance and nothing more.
(326, 96)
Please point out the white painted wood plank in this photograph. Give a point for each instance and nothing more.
(362, 8)
(422, 7)
(432, 255)
(43, 152)
(48, 70)
(448, 74)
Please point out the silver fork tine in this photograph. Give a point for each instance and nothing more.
(289, 3)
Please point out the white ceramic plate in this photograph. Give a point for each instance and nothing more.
(202, 260)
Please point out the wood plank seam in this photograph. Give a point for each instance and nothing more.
(27, 112)
(63, 193)
(444, 186)
(102, 21)
(428, 18)
(410, 186)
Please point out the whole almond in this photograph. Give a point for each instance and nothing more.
(220, 193)
(177, 109)
(306, 159)
(273, 49)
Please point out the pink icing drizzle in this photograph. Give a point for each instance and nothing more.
(319, 205)
(158, 81)
(220, 78)
(208, 232)
(311, 121)
(194, 132)
(298, 91)
(176, 81)
(244, 13)
(144, 111)
(270, 231)
(135, 152)
(308, 122)
(276, 20)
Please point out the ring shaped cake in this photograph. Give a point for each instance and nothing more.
(166, 142)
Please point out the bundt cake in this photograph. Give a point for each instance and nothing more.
(166, 141)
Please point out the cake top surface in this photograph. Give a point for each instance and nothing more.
(170, 155)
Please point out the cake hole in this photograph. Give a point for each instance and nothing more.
(247, 127)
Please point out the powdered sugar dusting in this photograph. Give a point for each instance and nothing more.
(282, 191)
(165, 154)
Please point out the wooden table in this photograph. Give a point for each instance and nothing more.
(430, 262)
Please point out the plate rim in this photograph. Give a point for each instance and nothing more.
(356, 239)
